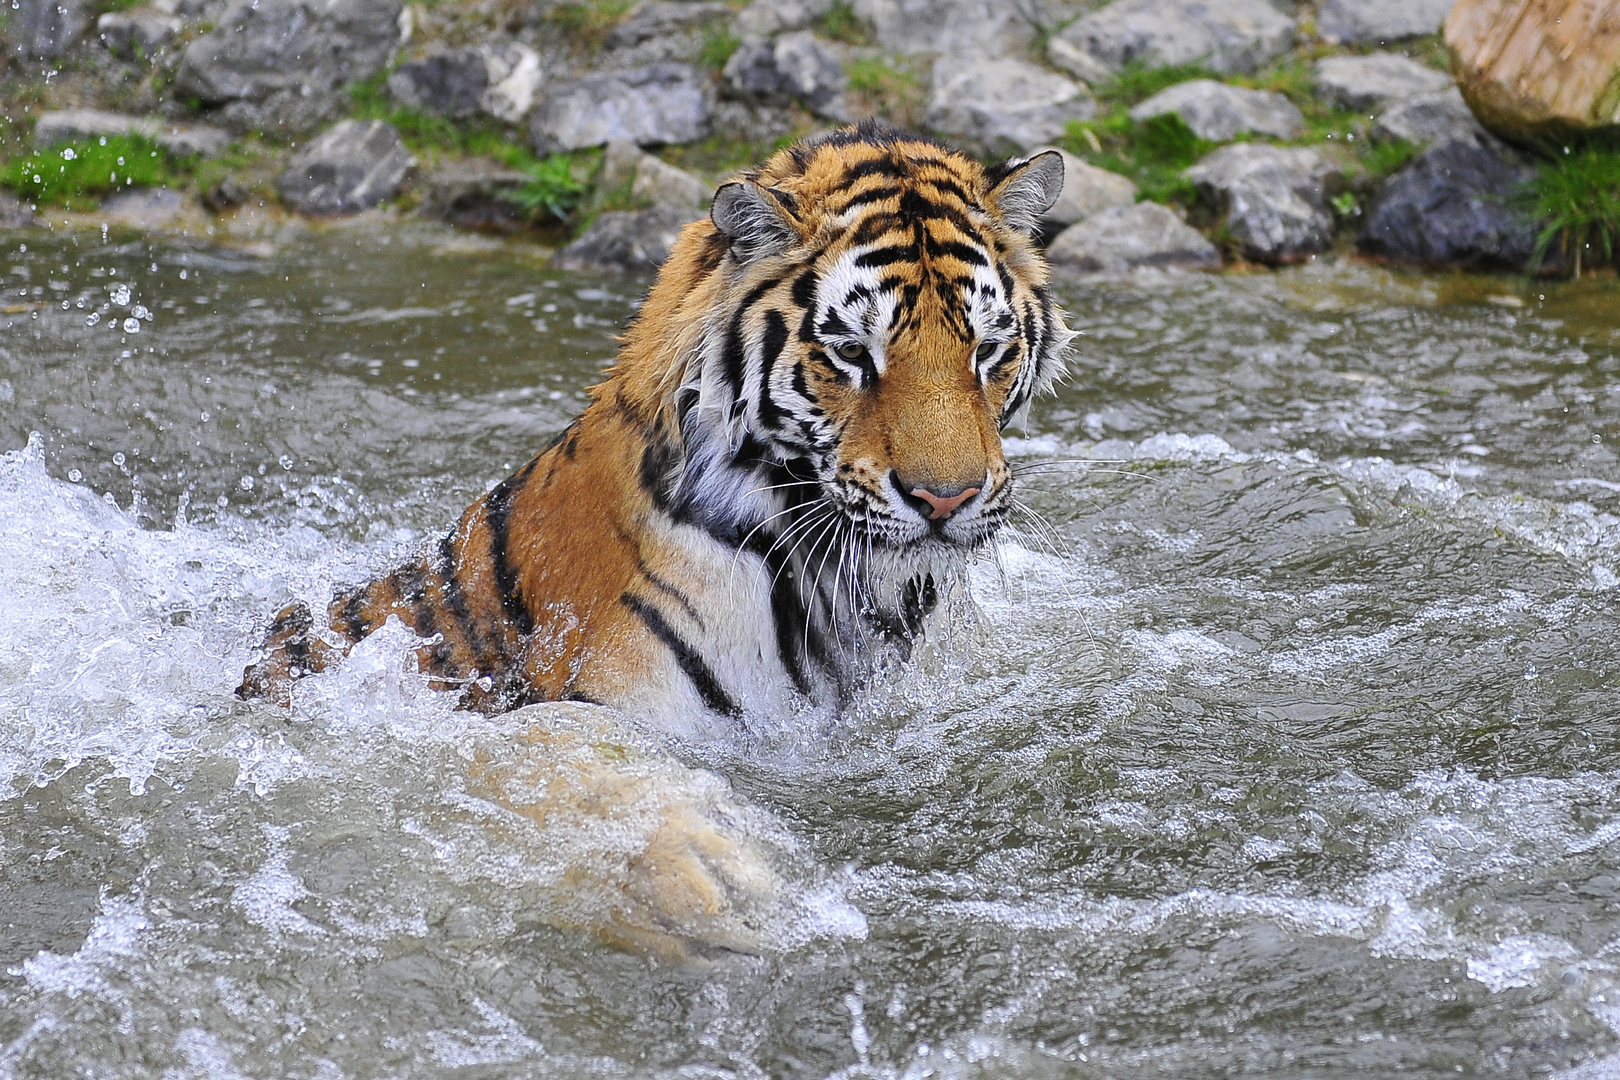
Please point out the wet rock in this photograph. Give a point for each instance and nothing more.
(659, 103)
(499, 77)
(1086, 190)
(638, 240)
(80, 125)
(794, 65)
(1362, 22)
(14, 213)
(145, 208)
(477, 195)
(1227, 36)
(137, 34)
(225, 195)
(984, 28)
(998, 107)
(1538, 68)
(1435, 117)
(279, 64)
(1453, 205)
(1132, 237)
(45, 29)
(1274, 198)
(1219, 113)
(763, 18)
(354, 165)
(1361, 83)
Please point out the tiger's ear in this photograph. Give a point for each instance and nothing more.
(1026, 188)
(756, 219)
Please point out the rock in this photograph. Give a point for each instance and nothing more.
(794, 65)
(225, 195)
(280, 63)
(620, 160)
(138, 33)
(477, 195)
(1086, 190)
(14, 214)
(1360, 83)
(659, 103)
(997, 107)
(80, 125)
(1227, 36)
(1434, 117)
(660, 31)
(1220, 113)
(1538, 68)
(499, 77)
(1130, 237)
(955, 28)
(637, 240)
(1361, 22)
(1077, 62)
(145, 208)
(1274, 198)
(1453, 205)
(662, 184)
(353, 165)
(763, 18)
(45, 29)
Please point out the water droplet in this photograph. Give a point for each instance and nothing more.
(93, 318)
(132, 325)
(206, 417)
(75, 475)
(68, 154)
(184, 274)
(141, 312)
(247, 483)
(120, 295)
(118, 458)
(222, 502)
(286, 462)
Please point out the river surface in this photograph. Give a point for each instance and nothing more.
(1287, 742)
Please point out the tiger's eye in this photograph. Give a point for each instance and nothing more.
(850, 350)
(985, 351)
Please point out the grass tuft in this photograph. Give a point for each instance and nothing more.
(77, 174)
(1576, 195)
(1152, 152)
(718, 45)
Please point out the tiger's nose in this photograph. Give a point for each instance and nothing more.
(942, 503)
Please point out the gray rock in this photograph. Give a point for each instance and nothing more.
(1219, 113)
(1435, 117)
(145, 208)
(138, 33)
(499, 77)
(658, 31)
(1131, 237)
(1274, 198)
(225, 195)
(662, 184)
(280, 63)
(638, 240)
(1367, 21)
(620, 160)
(477, 195)
(14, 213)
(1367, 82)
(660, 103)
(763, 18)
(1453, 205)
(998, 107)
(1077, 62)
(794, 65)
(1227, 36)
(1086, 190)
(45, 29)
(993, 28)
(353, 165)
(79, 125)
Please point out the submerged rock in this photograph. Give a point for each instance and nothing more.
(477, 195)
(1273, 198)
(795, 65)
(637, 240)
(499, 77)
(80, 125)
(1434, 117)
(659, 103)
(998, 107)
(354, 165)
(1538, 68)
(1228, 36)
(1362, 22)
(280, 63)
(45, 29)
(1220, 113)
(1131, 237)
(138, 33)
(1454, 205)
(1359, 83)
(1086, 190)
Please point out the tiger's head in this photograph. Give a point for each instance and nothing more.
(884, 314)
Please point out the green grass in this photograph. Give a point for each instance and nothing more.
(842, 24)
(718, 45)
(1151, 152)
(77, 174)
(890, 90)
(1138, 82)
(588, 24)
(1576, 197)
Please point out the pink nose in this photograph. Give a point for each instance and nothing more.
(943, 507)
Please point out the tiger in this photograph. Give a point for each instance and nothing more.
(794, 455)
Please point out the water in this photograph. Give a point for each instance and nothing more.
(1286, 744)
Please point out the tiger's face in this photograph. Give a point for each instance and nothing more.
(891, 316)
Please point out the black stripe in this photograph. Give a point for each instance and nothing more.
(876, 167)
(956, 249)
(497, 514)
(885, 256)
(691, 664)
(354, 626)
(456, 601)
(872, 195)
(776, 335)
(669, 590)
(734, 358)
(804, 288)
